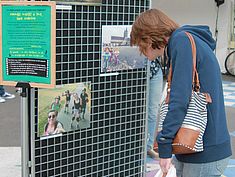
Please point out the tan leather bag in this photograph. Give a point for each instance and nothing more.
(189, 138)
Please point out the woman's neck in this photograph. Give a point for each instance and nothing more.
(51, 126)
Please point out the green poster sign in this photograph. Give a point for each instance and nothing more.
(26, 44)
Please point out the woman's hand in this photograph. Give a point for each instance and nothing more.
(165, 165)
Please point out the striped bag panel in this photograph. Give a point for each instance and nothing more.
(196, 117)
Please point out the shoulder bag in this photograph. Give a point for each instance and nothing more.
(189, 138)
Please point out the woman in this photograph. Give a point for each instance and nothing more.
(76, 107)
(154, 32)
(56, 104)
(53, 126)
(106, 58)
(67, 95)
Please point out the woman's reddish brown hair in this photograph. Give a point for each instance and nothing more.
(152, 27)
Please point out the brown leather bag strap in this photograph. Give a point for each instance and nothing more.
(196, 83)
(169, 78)
(195, 78)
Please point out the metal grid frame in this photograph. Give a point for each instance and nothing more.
(114, 144)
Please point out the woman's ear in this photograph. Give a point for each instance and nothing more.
(166, 39)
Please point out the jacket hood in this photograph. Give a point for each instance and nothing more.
(202, 32)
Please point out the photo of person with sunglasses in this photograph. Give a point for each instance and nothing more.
(53, 126)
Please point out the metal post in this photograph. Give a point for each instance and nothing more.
(24, 128)
(32, 135)
(24, 136)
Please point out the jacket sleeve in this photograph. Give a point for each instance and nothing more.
(181, 89)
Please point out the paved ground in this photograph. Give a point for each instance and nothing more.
(10, 163)
(10, 151)
(10, 121)
(10, 134)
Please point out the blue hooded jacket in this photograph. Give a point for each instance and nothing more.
(216, 138)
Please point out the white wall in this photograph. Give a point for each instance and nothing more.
(201, 12)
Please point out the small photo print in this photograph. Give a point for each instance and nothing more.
(117, 54)
(64, 108)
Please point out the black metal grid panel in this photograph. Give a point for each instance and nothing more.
(113, 145)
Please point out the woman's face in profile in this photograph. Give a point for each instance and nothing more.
(152, 54)
(51, 117)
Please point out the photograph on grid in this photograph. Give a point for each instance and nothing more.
(117, 54)
(64, 108)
